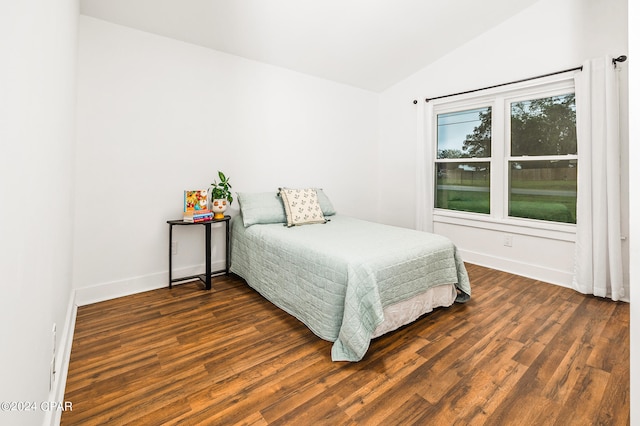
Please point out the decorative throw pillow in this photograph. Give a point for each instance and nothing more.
(301, 206)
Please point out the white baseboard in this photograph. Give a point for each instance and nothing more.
(536, 272)
(115, 289)
(63, 356)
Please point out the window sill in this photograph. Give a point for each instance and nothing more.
(534, 228)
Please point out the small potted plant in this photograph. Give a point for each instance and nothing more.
(221, 196)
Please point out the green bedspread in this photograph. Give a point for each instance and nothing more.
(337, 277)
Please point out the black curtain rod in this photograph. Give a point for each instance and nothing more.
(621, 58)
(503, 84)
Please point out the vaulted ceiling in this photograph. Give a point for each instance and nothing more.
(371, 44)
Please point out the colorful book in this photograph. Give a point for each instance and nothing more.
(197, 212)
(197, 217)
(195, 200)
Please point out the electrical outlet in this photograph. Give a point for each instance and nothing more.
(174, 248)
(508, 240)
(52, 366)
(52, 373)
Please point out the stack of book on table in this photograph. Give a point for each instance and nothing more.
(200, 216)
(196, 206)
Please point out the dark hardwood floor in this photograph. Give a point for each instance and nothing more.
(521, 352)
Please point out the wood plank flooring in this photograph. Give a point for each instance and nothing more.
(521, 352)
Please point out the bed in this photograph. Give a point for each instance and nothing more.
(348, 280)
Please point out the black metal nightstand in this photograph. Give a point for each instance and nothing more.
(206, 277)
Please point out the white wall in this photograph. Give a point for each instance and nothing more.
(37, 111)
(549, 36)
(158, 116)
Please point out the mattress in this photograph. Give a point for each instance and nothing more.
(407, 311)
(344, 278)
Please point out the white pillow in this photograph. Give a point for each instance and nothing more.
(301, 206)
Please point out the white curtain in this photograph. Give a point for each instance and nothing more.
(598, 254)
(424, 168)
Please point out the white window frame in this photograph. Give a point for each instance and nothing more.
(453, 108)
(500, 99)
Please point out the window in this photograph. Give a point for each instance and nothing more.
(463, 168)
(509, 155)
(544, 159)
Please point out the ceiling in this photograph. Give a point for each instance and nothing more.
(371, 44)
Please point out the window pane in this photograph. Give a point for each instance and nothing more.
(463, 186)
(465, 134)
(544, 126)
(544, 190)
